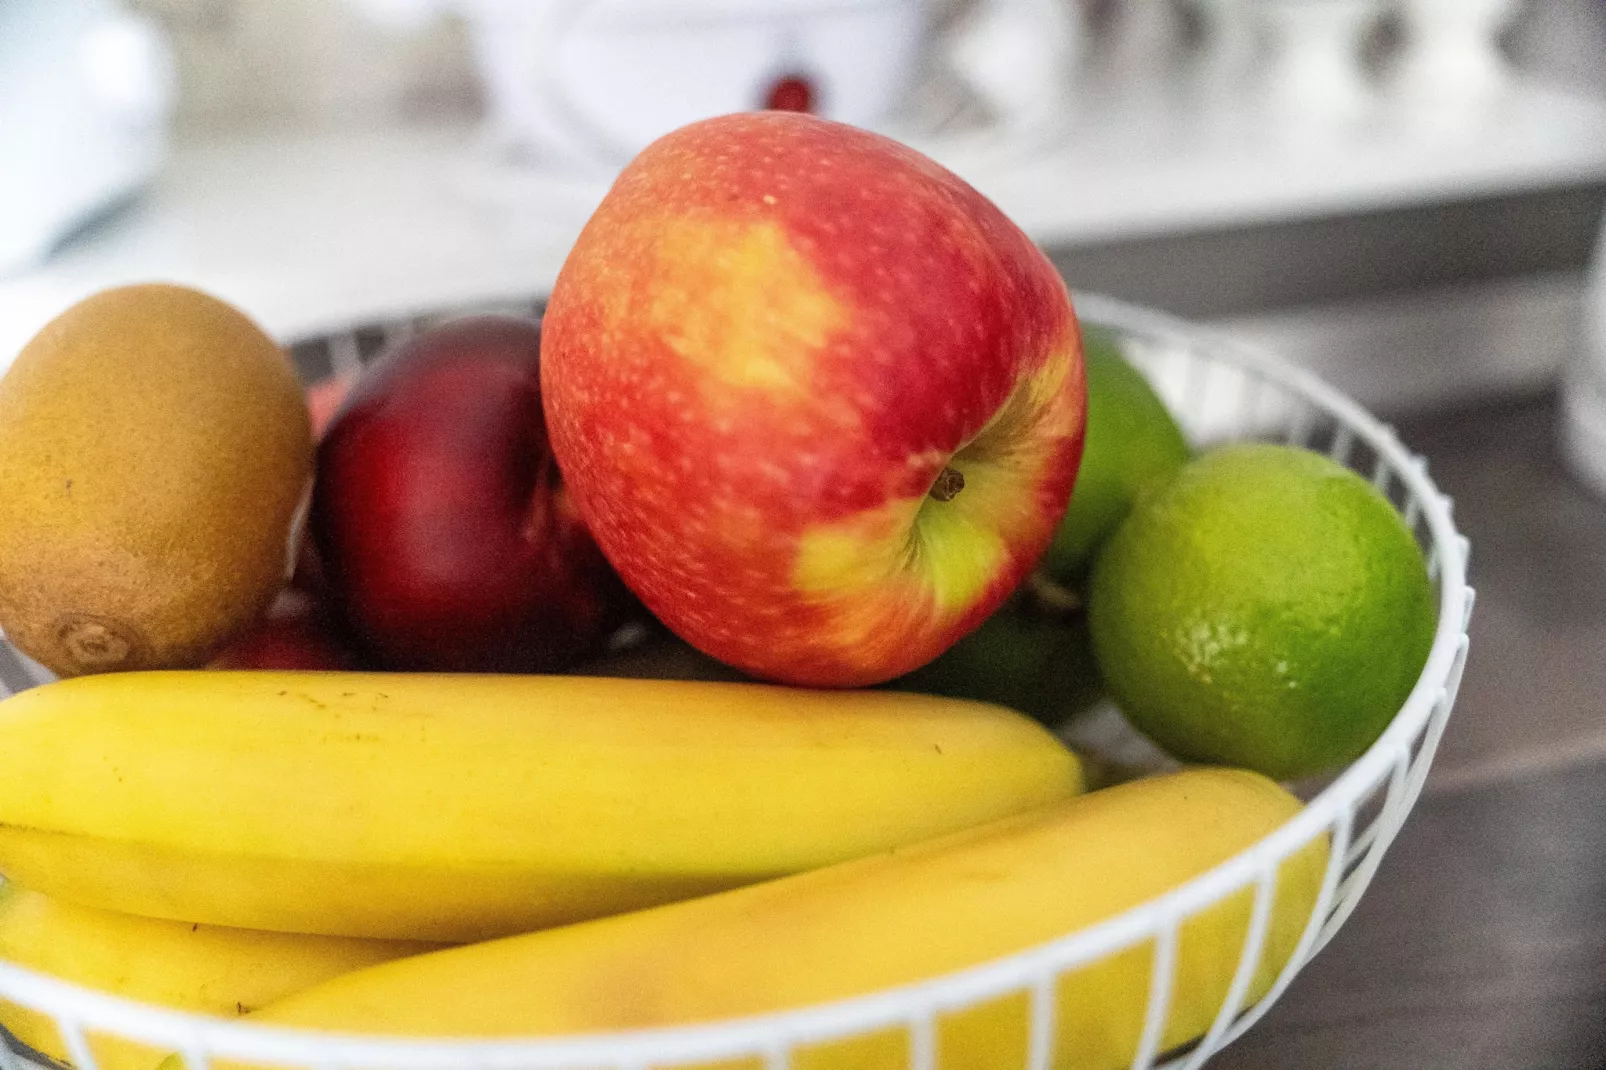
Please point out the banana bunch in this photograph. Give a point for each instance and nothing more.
(222, 842)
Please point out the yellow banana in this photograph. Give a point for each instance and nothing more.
(199, 968)
(888, 920)
(454, 808)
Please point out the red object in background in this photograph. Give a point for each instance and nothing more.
(447, 538)
(297, 633)
(324, 398)
(793, 92)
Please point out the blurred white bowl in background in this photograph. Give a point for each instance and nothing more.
(585, 84)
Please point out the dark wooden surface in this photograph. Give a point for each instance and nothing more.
(1482, 942)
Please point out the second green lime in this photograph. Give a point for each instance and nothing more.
(1133, 445)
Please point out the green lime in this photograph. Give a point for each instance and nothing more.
(1031, 655)
(1267, 608)
(1132, 445)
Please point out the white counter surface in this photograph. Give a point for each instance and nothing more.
(313, 230)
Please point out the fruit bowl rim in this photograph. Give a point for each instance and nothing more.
(199, 1038)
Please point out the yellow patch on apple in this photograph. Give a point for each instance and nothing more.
(939, 557)
(746, 307)
(865, 569)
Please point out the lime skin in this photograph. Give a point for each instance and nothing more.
(1268, 609)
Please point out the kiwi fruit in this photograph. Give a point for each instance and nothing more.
(155, 462)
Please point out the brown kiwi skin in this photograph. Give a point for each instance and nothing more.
(155, 455)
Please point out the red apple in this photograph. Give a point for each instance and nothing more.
(296, 633)
(819, 401)
(445, 533)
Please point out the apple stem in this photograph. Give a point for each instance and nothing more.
(950, 481)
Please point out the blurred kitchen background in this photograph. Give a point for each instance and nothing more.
(1403, 195)
(1406, 194)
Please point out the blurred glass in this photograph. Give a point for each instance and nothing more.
(86, 88)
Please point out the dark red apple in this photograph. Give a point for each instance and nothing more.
(445, 532)
(297, 632)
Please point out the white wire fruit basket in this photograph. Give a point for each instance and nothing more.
(1219, 390)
